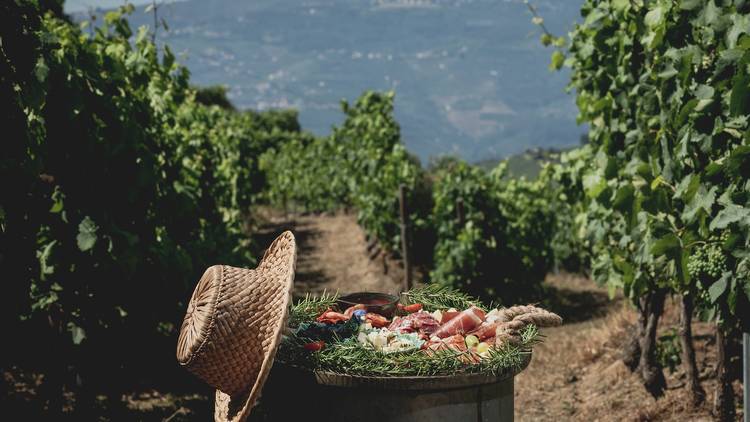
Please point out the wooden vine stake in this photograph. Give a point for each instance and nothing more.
(404, 212)
(746, 376)
(460, 212)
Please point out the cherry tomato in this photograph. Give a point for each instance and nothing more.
(315, 346)
(414, 307)
(376, 320)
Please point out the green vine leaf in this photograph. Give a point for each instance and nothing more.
(719, 287)
(703, 200)
(41, 70)
(86, 238)
(77, 334)
(556, 61)
(732, 213)
(666, 244)
(654, 17)
(739, 100)
(690, 4)
(740, 25)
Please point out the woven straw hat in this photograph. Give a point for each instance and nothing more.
(233, 326)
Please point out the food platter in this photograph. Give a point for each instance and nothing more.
(436, 336)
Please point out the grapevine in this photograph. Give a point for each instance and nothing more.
(664, 87)
(127, 184)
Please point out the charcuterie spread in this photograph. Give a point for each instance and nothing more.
(434, 331)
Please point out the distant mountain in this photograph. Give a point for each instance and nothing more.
(526, 164)
(470, 76)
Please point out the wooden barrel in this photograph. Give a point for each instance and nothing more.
(296, 394)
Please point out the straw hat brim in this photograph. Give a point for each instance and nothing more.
(237, 408)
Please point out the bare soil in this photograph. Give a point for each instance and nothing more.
(333, 256)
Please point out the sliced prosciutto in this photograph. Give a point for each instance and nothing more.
(422, 322)
(455, 342)
(331, 317)
(486, 330)
(463, 323)
(376, 320)
(449, 315)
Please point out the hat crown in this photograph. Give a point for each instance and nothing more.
(199, 315)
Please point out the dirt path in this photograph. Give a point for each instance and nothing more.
(333, 256)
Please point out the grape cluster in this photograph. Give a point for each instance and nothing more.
(708, 261)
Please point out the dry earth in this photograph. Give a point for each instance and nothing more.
(333, 257)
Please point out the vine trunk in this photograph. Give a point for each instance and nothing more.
(632, 350)
(648, 366)
(724, 402)
(696, 392)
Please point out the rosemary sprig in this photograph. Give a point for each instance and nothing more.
(310, 307)
(349, 357)
(435, 296)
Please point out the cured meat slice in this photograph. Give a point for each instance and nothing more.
(422, 322)
(395, 323)
(376, 320)
(465, 322)
(455, 342)
(331, 317)
(448, 315)
(486, 330)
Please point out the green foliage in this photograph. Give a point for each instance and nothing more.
(20, 23)
(304, 171)
(502, 248)
(126, 188)
(558, 178)
(309, 308)
(435, 297)
(669, 350)
(377, 163)
(361, 164)
(663, 86)
(213, 95)
(569, 239)
(348, 357)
